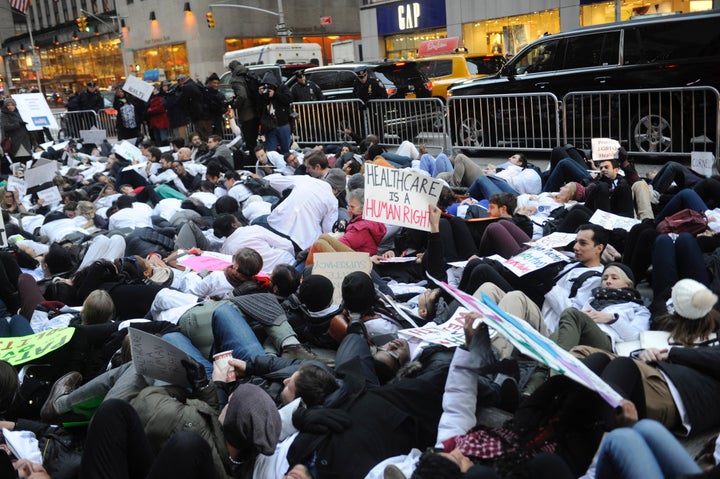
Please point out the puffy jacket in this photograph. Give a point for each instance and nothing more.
(157, 115)
(363, 235)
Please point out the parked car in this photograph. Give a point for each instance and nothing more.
(669, 51)
(446, 70)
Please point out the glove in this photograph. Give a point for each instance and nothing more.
(321, 420)
(195, 373)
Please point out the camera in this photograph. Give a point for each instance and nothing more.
(264, 90)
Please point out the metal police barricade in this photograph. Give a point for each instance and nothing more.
(325, 122)
(108, 122)
(419, 120)
(71, 122)
(655, 122)
(514, 121)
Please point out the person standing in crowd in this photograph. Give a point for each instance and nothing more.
(191, 100)
(306, 90)
(177, 116)
(158, 121)
(214, 105)
(368, 88)
(86, 101)
(15, 136)
(129, 113)
(245, 86)
(275, 101)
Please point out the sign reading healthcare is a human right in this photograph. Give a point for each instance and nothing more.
(399, 196)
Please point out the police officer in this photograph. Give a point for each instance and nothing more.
(367, 88)
(306, 90)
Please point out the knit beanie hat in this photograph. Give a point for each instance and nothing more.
(691, 299)
(316, 292)
(625, 269)
(358, 292)
(337, 179)
(252, 419)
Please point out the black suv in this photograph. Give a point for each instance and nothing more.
(669, 51)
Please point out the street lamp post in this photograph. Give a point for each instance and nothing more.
(280, 28)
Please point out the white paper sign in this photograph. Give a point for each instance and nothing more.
(128, 151)
(702, 162)
(40, 173)
(35, 111)
(399, 196)
(604, 149)
(611, 221)
(335, 266)
(16, 184)
(554, 240)
(532, 260)
(93, 135)
(138, 88)
(155, 357)
(50, 196)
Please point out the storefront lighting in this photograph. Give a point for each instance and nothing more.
(153, 18)
(22, 48)
(187, 8)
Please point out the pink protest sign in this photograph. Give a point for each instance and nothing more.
(207, 262)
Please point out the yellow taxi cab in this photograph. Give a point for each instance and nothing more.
(445, 63)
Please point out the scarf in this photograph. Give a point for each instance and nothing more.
(604, 297)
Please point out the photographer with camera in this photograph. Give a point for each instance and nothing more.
(275, 101)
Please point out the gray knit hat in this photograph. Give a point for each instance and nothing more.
(252, 419)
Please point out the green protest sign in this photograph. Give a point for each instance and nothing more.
(24, 349)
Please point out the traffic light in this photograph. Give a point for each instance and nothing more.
(210, 17)
(82, 24)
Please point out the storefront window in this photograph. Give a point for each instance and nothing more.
(506, 36)
(406, 45)
(604, 12)
(172, 59)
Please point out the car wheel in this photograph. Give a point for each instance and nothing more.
(470, 133)
(652, 133)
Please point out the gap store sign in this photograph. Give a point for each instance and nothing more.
(408, 16)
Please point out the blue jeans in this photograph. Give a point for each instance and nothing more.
(648, 450)
(179, 340)
(398, 161)
(565, 171)
(677, 259)
(673, 171)
(15, 326)
(232, 332)
(484, 186)
(280, 136)
(683, 199)
(442, 165)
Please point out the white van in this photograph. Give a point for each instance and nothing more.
(276, 53)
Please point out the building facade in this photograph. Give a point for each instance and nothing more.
(395, 29)
(153, 39)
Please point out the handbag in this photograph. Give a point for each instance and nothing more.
(684, 221)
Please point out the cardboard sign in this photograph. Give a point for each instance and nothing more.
(40, 173)
(532, 260)
(610, 221)
(128, 151)
(93, 135)
(50, 196)
(399, 196)
(16, 184)
(335, 266)
(554, 240)
(205, 262)
(155, 357)
(34, 111)
(138, 88)
(702, 162)
(24, 349)
(604, 149)
(531, 343)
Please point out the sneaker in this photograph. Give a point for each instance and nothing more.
(63, 386)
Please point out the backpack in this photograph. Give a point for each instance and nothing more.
(127, 115)
(684, 221)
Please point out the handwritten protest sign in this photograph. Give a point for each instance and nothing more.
(93, 135)
(155, 357)
(23, 349)
(40, 173)
(554, 240)
(206, 262)
(604, 148)
(128, 151)
(702, 162)
(16, 184)
(399, 196)
(50, 196)
(533, 259)
(610, 221)
(335, 266)
(448, 334)
(138, 88)
(531, 343)
(34, 111)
